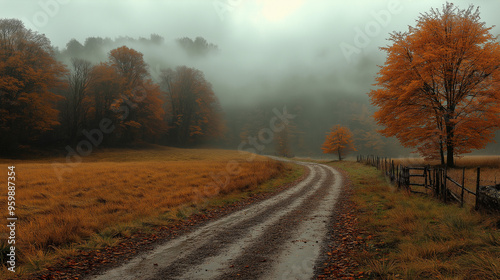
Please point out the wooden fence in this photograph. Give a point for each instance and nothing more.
(426, 180)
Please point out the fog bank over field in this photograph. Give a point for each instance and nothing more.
(316, 58)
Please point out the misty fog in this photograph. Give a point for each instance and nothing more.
(316, 58)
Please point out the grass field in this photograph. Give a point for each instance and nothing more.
(418, 237)
(123, 190)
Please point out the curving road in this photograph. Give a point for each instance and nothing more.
(278, 238)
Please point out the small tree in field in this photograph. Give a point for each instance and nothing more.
(439, 87)
(339, 141)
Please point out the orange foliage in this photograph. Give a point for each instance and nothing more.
(339, 140)
(130, 65)
(140, 103)
(439, 86)
(28, 73)
(105, 89)
(150, 111)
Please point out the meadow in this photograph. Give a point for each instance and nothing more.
(123, 190)
(408, 236)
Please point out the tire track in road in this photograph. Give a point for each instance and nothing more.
(165, 255)
(214, 266)
(262, 240)
(299, 257)
(224, 242)
(292, 245)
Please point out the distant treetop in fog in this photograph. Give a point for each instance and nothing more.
(198, 47)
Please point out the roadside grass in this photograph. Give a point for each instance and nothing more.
(419, 237)
(114, 193)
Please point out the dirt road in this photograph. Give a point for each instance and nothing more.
(278, 238)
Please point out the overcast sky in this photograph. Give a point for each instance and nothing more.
(331, 40)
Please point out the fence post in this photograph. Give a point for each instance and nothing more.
(429, 174)
(463, 188)
(392, 170)
(441, 173)
(436, 182)
(443, 183)
(425, 179)
(398, 176)
(440, 182)
(401, 176)
(478, 179)
(445, 189)
(407, 179)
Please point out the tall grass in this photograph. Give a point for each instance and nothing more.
(418, 237)
(118, 187)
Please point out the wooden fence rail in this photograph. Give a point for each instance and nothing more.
(428, 179)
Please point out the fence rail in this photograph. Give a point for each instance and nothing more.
(427, 179)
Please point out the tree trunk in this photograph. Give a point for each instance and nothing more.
(441, 152)
(449, 156)
(449, 146)
(340, 157)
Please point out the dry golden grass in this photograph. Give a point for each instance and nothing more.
(150, 153)
(466, 161)
(490, 172)
(116, 187)
(419, 237)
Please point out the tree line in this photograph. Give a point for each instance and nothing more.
(45, 103)
(96, 48)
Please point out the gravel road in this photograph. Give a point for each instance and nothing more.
(278, 238)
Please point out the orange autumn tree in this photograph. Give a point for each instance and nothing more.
(105, 89)
(140, 103)
(28, 74)
(339, 141)
(438, 89)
